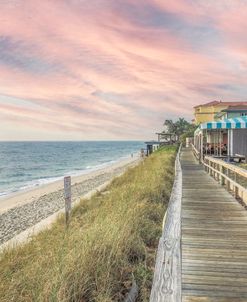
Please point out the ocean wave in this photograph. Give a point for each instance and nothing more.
(37, 182)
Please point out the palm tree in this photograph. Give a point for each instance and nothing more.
(177, 128)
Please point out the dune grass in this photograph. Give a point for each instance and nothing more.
(243, 166)
(112, 238)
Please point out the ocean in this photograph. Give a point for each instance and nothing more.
(25, 165)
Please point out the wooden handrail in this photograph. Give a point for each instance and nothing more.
(231, 167)
(167, 274)
(196, 152)
(221, 170)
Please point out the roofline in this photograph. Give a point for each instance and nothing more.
(207, 104)
(233, 110)
(216, 103)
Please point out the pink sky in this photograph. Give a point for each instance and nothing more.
(115, 69)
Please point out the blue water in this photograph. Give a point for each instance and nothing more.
(25, 165)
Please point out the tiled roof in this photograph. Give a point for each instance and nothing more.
(216, 103)
(232, 103)
(208, 104)
(237, 107)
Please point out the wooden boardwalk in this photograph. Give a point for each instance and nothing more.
(214, 239)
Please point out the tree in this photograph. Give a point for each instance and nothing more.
(179, 127)
(169, 126)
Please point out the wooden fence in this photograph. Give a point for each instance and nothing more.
(233, 178)
(167, 275)
(196, 152)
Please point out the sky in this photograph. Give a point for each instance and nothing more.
(115, 69)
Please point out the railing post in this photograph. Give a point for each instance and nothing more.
(236, 188)
(228, 181)
(221, 176)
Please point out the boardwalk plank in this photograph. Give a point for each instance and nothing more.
(214, 239)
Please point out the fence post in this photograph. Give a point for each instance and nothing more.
(67, 197)
(221, 177)
(227, 182)
(236, 188)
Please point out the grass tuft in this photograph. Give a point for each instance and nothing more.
(111, 238)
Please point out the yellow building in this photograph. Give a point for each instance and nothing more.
(206, 112)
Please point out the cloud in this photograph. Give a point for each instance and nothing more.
(116, 69)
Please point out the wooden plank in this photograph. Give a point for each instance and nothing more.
(218, 290)
(233, 296)
(212, 280)
(209, 203)
(212, 299)
(214, 239)
(214, 242)
(207, 223)
(195, 215)
(217, 273)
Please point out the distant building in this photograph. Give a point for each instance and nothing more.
(232, 112)
(166, 137)
(152, 146)
(209, 111)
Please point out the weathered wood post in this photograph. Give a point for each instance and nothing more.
(67, 197)
(222, 180)
(236, 188)
(228, 181)
(211, 171)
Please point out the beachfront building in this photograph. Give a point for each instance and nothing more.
(225, 138)
(208, 112)
(163, 139)
(152, 146)
(232, 112)
(167, 138)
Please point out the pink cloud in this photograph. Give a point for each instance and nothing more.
(93, 65)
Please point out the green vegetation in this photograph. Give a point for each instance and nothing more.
(189, 133)
(111, 238)
(178, 127)
(181, 128)
(243, 166)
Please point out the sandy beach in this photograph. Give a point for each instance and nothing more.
(23, 210)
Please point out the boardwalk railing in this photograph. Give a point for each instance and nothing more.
(167, 275)
(196, 152)
(232, 177)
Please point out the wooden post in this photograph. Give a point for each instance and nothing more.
(67, 197)
(201, 151)
(222, 179)
(228, 182)
(236, 188)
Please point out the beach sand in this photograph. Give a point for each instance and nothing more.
(22, 211)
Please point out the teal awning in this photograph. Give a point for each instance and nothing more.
(232, 123)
